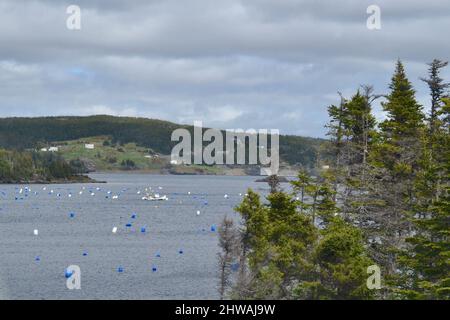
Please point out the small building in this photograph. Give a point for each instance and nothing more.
(176, 162)
(325, 167)
(89, 146)
(50, 149)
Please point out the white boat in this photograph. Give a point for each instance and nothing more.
(154, 197)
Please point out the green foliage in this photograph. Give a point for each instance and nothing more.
(128, 164)
(404, 113)
(426, 263)
(24, 133)
(342, 263)
(27, 166)
(291, 257)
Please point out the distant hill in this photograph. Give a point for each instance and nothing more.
(25, 133)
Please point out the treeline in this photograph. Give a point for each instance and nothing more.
(26, 133)
(380, 212)
(25, 166)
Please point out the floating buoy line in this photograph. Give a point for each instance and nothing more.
(199, 200)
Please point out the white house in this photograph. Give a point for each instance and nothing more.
(149, 156)
(89, 146)
(51, 149)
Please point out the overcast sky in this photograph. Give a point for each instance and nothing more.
(230, 63)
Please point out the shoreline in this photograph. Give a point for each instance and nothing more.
(81, 179)
(85, 179)
(282, 173)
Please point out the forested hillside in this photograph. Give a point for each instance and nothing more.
(37, 167)
(24, 133)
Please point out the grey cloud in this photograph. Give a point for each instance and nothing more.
(235, 63)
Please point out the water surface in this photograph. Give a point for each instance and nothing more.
(32, 267)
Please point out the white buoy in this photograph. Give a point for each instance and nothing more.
(36, 232)
(225, 196)
(115, 197)
(114, 230)
(198, 212)
(189, 192)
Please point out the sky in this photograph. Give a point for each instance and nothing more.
(261, 64)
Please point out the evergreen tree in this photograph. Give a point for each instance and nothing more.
(342, 263)
(426, 262)
(404, 114)
(437, 90)
(396, 160)
(359, 124)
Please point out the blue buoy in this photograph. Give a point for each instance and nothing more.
(68, 274)
(158, 255)
(72, 215)
(120, 269)
(85, 254)
(154, 269)
(37, 258)
(143, 229)
(181, 251)
(213, 228)
(128, 225)
(133, 216)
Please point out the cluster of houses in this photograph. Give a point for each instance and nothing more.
(89, 146)
(50, 149)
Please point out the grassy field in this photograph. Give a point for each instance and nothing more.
(113, 157)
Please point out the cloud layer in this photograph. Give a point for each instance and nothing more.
(232, 64)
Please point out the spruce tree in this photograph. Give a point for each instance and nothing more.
(404, 113)
(426, 262)
(396, 161)
(437, 91)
